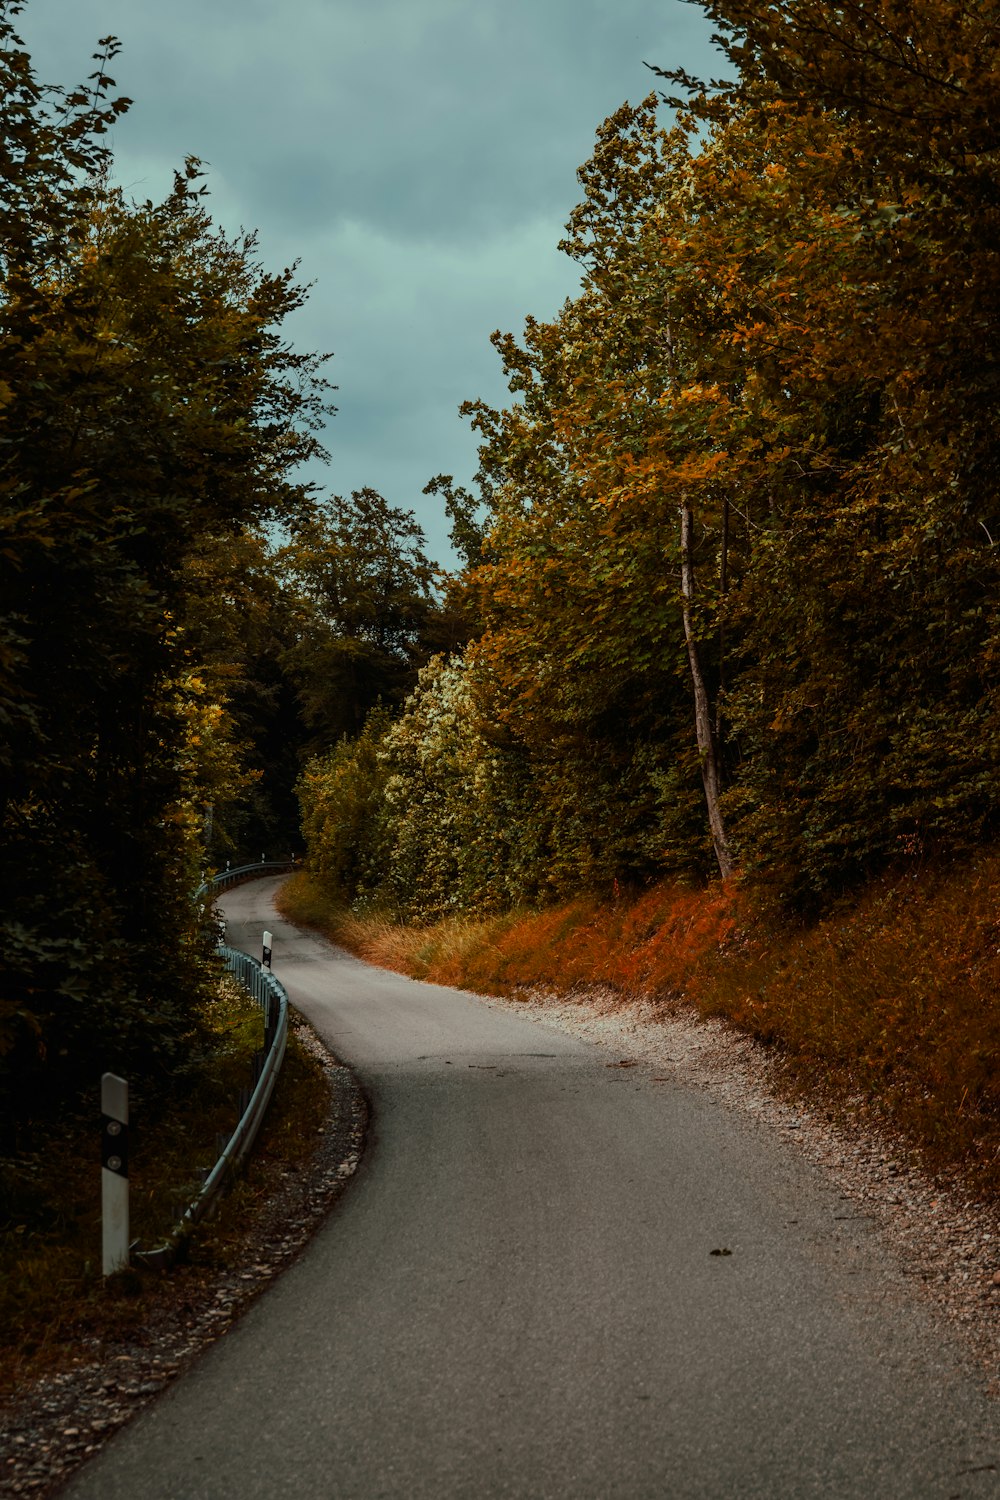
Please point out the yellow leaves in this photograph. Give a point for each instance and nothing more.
(182, 815)
(700, 468)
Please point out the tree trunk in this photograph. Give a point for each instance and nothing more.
(702, 709)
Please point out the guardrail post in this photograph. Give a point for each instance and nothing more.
(114, 1174)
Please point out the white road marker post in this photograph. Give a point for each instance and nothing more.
(114, 1174)
(266, 960)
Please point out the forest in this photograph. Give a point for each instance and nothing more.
(727, 614)
(731, 573)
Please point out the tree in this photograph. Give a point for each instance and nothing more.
(583, 600)
(704, 729)
(468, 536)
(239, 624)
(367, 604)
(147, 403)
(742, 353)
(868, 721)
(784, 341)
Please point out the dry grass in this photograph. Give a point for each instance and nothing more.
(637, 945)
(893, 997)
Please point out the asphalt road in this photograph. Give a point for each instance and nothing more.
(518, 1296)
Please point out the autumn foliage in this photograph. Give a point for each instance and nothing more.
(783, 336)
(887, 1006)
(735, 590)
(730, 585)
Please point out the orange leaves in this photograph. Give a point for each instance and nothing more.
(758, 338)
(699, 468)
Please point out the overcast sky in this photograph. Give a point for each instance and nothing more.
(418, 157)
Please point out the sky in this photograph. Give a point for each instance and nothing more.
(417, 158)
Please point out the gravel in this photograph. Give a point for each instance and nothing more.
(943, 1240)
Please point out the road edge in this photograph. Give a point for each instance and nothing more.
(50, 1429)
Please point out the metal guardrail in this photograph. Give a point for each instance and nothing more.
(228, 877)
(272, 998)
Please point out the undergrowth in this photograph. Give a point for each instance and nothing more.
(52, 1292)
(892, 997)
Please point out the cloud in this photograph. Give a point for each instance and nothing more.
(417, 156)
(410, 321)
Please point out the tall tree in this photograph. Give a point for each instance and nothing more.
(784, 338)
(869, 720)
(148, 402)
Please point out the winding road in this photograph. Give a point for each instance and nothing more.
(521, 1296)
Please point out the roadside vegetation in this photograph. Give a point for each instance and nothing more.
(889, 1003)
(182, 621)
(710, 708)
(726, 728)
(54, 1303)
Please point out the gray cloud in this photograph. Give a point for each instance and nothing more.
(417, 156)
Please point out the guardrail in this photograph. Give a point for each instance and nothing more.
(270, 995)
(228, 877)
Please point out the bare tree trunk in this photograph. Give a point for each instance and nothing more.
(702, 709)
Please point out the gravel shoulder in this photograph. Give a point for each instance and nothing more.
(942, 1241)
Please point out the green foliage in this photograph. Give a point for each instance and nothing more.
(406, 815)
(342, 813)
(148, 407)
(457, 832)
(465, 513)
(240, 624)
(445, 810)
(365, 604)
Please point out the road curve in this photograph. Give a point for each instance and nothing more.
(518, 1296)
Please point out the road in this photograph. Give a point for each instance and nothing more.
(518, 1296)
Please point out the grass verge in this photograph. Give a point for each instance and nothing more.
(52, 1294)
(891, 1000)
